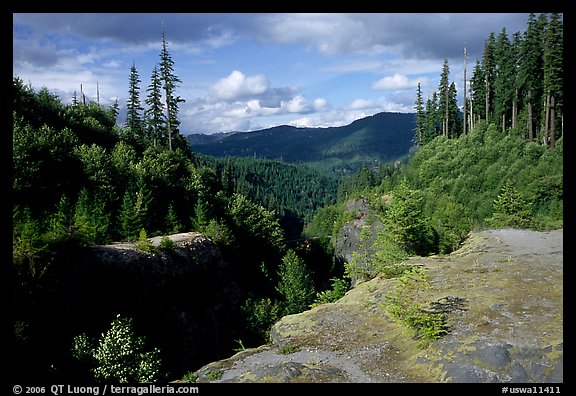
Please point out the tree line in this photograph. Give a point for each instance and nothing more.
(517, 86)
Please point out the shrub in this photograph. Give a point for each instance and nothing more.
(404, 305)
(295, 284)
(144, 243)
(119, 354)
(260, 315)
(166, 243)
(339, 288)
(510, 209)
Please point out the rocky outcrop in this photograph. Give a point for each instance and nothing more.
(356, 238)
(502, 294)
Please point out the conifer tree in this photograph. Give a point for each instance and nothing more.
(489, 68)
(130, 217)
(169, 83)
(60, 222)
(134, 121)
(444, 98)
(91, 219)
(420, 117)
(504, 80)
(530, 72)
(553, 76)
(173, 224)
(516, 46)
(295, 283)
(454, 120)
(478, 92)
(155, 112)
(405, 221)
(431, 129)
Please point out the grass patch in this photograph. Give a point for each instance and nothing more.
(214, 375)
(289, 348)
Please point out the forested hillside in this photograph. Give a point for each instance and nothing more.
(377, 139)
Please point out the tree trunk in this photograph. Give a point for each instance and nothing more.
(487, 99)
(514, 115)
(446, 115)
(168, 126)
(552, 122)
(471, 117)
(465, 123)
(530, 126)
(546, 116)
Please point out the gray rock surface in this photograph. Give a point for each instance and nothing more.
(505, 290)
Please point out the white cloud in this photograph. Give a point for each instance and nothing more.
(397, 81)
(297, 104)
(237, 85)
(320, 104)
(358, 104)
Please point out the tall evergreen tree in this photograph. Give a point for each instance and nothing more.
(553, 76)
(431, 125)
(504, 80)
(130, 217)
(134, 121)
(420, 116)
(155, 112)
(454, 120)
(478, 92)
(169, 83)
(530, 72)
(444, 97)
(489, 67)
(515, 49)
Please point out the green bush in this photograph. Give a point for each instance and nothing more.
(338, 290)
(144, 243)
(260, 314)
(166, 243)
(510, 209)
(295, 284)
(405, 305)
(119, 354)
(406, 223)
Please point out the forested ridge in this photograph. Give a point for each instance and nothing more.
(80, 179)
(380, 138)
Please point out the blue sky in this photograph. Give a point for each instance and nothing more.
(248, 71)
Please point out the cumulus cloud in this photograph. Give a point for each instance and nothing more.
(297, 104)
(358, 104)
(241, 103)
(237, 85)
(397, 81)
(320, 104)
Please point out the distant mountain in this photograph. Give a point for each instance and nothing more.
(380, 138)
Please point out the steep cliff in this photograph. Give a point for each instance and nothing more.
(502, 294)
